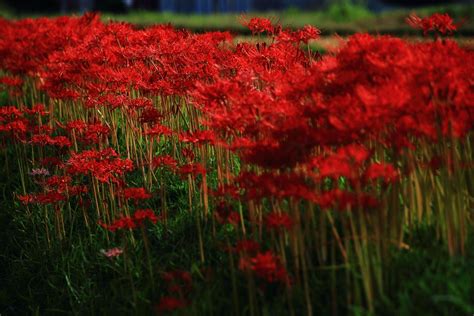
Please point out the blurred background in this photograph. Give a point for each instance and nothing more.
(209, 6)
(343, 17)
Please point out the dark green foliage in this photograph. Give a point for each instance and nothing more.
(422, 281)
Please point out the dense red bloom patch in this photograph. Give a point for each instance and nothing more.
(259, 25)
(198, 137)
(88, 133)
(104, 165)
(192, 169)
(260, 133)
(135, 194)
(51, 197)
(383, 171)
(131, 222)
(165, 161)
(140, 215)
(158, 130)
(442, 23)
(42, 140)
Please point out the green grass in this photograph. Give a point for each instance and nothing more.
(423, 282)
(343, 19)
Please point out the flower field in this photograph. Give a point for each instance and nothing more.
(153, 170)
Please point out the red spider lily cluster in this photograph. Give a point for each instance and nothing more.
(270, 138)
(136, 194)
(179, 284)
(441, 23)
(104, 165)
(266, 266)
(131, 222)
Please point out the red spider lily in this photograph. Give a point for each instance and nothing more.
(199, 137)
(275, 185)
(33, 49)
(150, 115)
(11, 81)
(304, 35)
(51, 197)
(95, 133)
(299, 125)
(18, 127)
(437, 22)
(42, 140)
(178, 281)
(12, 85)
(258, 25)
(188, 153)
(225, 215)
(42, 130)
(138, 103)
(343, 200)
(357, 153)
(131, 222)
(37, 109)
(119, 224)
(141, 215)
(165, 161)
(169, 304)
(58, 181)
(116, 101)
(12, 121)
(88, 133)
(26, 199)
(266, 266)
(278, 221)
(158, 130)
(52, 162)
(10, 111)
(193, 169)
(104, 165)
(135, 194)
(226, 191)
(77, 190)
(77, 125)
(63, 185)
(336, 166)
(384, 171)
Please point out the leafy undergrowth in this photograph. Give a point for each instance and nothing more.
(77, 277)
